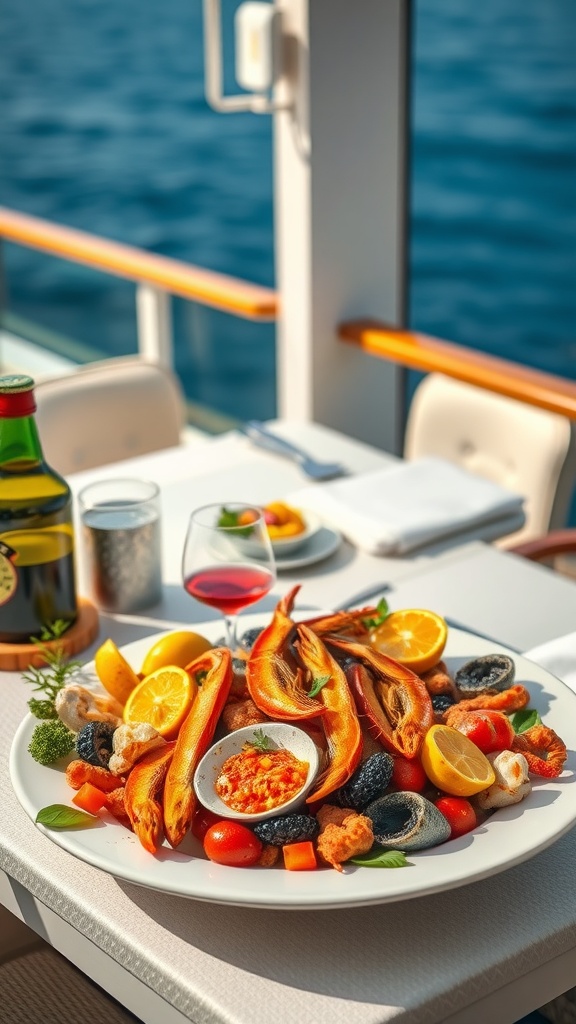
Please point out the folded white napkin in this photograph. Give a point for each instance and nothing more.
(558, 657)
(392, 510)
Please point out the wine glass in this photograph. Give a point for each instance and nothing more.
(228, 561)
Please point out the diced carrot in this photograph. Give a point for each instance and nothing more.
(89, 798)
(299, 856)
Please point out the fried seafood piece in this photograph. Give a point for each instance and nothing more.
(438, 681)
(512, 699)
(512, 782)
(343, 834)
(77, 705)
(239, 713)
(275, 683)
(115, 804)
(78, 772)
(269, 856)
(130, 742)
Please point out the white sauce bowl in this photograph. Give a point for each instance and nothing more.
(281, 734)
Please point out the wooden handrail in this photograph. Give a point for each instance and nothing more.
(421, 352)
(207, 287)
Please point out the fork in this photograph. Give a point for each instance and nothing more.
(316, 470)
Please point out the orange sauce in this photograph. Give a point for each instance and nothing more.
(254, 781)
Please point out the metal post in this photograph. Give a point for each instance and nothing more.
(341, 156)
(153, 313)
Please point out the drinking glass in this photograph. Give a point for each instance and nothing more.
(121, 530)
(228, 567)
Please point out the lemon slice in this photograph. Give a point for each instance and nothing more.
(455, 764)
(114, 672)
(162, 700)
(415, 637)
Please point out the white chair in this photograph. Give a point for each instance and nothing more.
(107, 411)
(529, 450)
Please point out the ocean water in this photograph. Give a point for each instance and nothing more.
(104, 126)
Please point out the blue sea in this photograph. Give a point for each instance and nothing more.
(104, 126)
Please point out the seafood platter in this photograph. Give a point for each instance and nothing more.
(305, 768)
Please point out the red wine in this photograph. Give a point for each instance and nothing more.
(229, 587)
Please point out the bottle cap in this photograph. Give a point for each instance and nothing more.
(16, 395)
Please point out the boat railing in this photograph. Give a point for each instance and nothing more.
(427, 354)
(157, 278)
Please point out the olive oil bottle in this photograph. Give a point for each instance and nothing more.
(37, 576)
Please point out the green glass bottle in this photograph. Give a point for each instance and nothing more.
(37, 576)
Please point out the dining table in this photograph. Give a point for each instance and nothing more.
(493, 949)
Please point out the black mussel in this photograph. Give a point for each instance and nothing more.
(287, 828)
(488, 674)
(94, 743)
(369, 781)
(249, 638)
(407, 821)
(239, 666)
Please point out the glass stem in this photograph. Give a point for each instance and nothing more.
(231, 638)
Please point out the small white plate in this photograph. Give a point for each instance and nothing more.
(321, 545)
(281, 734)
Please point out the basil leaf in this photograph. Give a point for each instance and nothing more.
(62, 816)
(229, 520)
(382, 612)
(381, 859)
(525, 719)
(317, 685)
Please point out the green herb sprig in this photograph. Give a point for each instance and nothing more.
(317, 685)
(260, 741)
(50, 678)
(382, 612)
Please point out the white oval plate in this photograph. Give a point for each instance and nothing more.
(512, 835)
(321, 545)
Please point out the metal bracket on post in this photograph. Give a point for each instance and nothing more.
(258, 37)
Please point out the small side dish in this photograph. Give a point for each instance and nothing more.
(288, 528)
(257, 772)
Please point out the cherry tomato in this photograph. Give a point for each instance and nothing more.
(459, 814)
(202, 821)
(409, 775)
(232, 844)
(489, 730)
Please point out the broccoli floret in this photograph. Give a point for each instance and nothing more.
(50, 741)
(42, 708)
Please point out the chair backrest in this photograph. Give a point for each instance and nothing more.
(107, 411)
(529, 450)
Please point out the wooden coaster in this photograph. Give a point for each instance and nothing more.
(17, 657)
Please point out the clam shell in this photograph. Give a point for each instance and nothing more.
(407, 821)
(489, 674)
